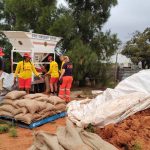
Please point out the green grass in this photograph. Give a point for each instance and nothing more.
(8, 128)
(90, 128)
(13, 132)
(4, 129)
(137, 146)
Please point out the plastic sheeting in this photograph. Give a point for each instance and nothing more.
(113, 105)
(8, 80)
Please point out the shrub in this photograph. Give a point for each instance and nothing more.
(4, 129)
(13, 132)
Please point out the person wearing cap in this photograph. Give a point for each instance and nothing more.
(54, 75)
(67, 78)
(24, 71)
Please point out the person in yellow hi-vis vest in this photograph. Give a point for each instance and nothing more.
(54, 75)
(61, 57)
(24, 71)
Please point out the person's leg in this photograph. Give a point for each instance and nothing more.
(51, 85)
(28, 85)
(47, 84)
(62, 88)
(68, 87)
(55, 86)
(21, 84)
(28, 91)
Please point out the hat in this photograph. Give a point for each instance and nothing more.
(1, 52)
(26, 55)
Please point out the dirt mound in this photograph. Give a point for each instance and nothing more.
(131, 134)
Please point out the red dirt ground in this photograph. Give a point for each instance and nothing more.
(25, 136)
(131, 134)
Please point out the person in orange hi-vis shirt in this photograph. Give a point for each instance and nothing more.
(67, 78)
(24, 71)
(54, 75)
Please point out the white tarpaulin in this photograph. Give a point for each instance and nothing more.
(113, 105)
(8, 80)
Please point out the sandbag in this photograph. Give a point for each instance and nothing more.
(94, 141)
(36, 117)
(32, 105)
(22, 110)
(21, 102)
(8, 101)
(15, 94)
(7, 108)
(70, 138)
(27, 118)
(43, 98)
(49, 107)
(33, 96)
(60, 106)
(5, 113)
(46, 114)
(45, 141)
(41, 106)
(55, 100)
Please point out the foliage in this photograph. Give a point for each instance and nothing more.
(79, 24)
(90, 128)
(4, 129)
(7, 50)
(84, 60)
(138, 48)
(25, 15)
(13, 132)
(136, 146)
(105, 45)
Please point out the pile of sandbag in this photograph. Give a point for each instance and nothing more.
(69, 138)
(30, 107)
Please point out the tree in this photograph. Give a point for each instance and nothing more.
(25, 15)
(80, 25)
(138, 48)
(90, 15)
(105, 45)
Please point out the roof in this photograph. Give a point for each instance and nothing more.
(31, 41)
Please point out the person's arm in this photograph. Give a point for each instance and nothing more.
(17, 70)
(62, 73)
(61, 67)
(34, 70)
(64, 67)
(50, 69)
